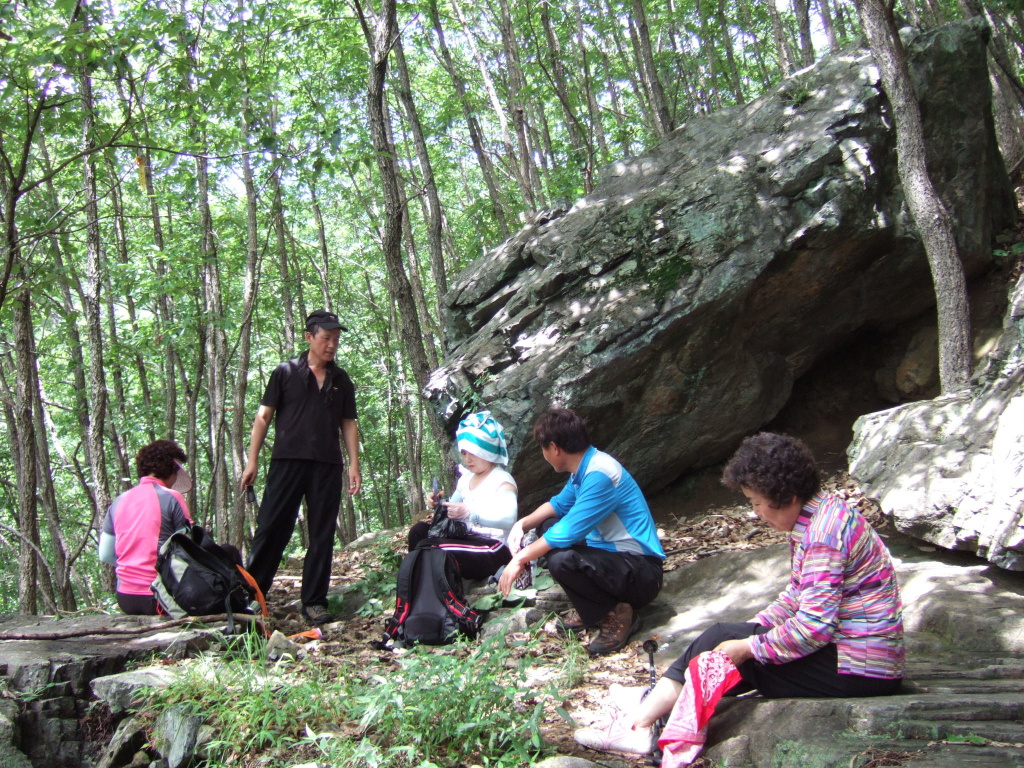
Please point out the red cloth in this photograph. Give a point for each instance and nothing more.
(708, 677)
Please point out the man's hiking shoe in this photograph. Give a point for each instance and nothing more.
(621, 622)
(571, 621)
(317, 615)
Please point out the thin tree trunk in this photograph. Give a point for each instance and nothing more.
(277, 215)
(24, 450)
(435, 219)
(932, 218)
(324, 265)
(802, 11)
(828, 24)
(648, 71)
(593, 110)
(624, 131)
(783, 46)
(91, 298)
(123, 258)
(730, 59)
(517, 98)
(59, 591)
(250, 292)
(64, 558)
(380, 35)
(582, 153)
(498, 207)
(508, 145)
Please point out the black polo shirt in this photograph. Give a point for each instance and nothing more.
(308, 420)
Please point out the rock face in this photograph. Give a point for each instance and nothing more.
(951, 470)
(54, 663)
(675, 306)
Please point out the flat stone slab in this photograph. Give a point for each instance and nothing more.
(58, 664)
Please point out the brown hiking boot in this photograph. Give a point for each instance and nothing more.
(571, 621)
(317, 615)
(621, 622)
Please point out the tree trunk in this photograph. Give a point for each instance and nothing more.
(828, 24)
(498, 207)
(641, 35)
(593, 109)
(277, 214)
(534, 198)
(25, 455)
(250, 290)
(582, 153)
(508, 145)
(933, 220)
(802, 11)
(436, 225)
(380, 38)
(91, 298)
(730, 59)
(783, 46)
(323, 267)
(712, 93)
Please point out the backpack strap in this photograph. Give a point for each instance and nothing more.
(402, 593)
(259, 592)
(469, 620)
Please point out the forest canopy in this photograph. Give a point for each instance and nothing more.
(182, 183)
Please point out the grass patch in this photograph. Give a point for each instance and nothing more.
(465, 704)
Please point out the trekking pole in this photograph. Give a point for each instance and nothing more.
(651, 645)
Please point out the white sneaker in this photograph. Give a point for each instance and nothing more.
(617, 736)
(625, 698)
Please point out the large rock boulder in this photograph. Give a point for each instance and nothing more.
(675, 306)
(951, 470)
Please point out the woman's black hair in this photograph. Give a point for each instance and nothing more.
(778, 467)
(157, 459)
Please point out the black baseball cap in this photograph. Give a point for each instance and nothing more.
(326, 320)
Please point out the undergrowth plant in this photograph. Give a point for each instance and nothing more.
(444, 709)
(374, 594)
(466, 704)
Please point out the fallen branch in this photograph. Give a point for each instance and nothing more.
(140, 630)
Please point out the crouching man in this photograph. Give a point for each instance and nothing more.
(598, 535)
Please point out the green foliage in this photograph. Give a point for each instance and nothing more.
(373, 595)
(1012, 251)
(466, 704)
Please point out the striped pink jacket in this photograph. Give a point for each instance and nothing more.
(842, 590)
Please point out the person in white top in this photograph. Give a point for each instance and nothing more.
(485, 499)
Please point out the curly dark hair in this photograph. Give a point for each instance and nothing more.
(778, 467)
(157, 459)
(564, 428)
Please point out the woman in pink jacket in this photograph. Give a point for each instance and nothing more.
(140, 520)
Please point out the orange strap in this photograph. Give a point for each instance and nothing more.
(259, 593)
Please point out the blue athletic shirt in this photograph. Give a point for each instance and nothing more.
(602, 504)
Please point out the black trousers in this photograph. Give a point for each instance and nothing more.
(136, 605)
(479, 557)
(811, 677)
(596, 580)
(288, 481)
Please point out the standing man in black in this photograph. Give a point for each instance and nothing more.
(313, 400)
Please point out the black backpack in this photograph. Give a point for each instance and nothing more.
(195, 577)
(430, 605)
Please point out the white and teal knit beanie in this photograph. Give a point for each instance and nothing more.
(482, 436)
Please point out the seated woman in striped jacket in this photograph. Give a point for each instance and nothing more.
(835, 631)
